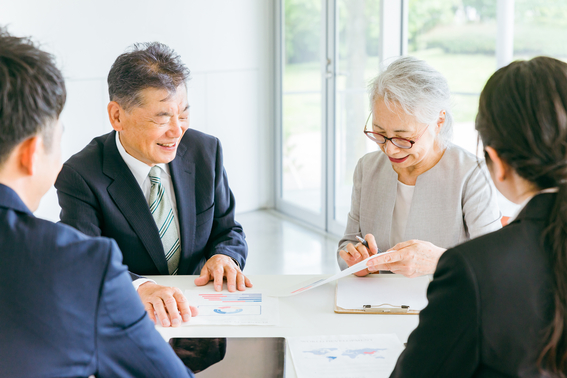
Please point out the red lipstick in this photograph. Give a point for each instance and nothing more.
(398, 160)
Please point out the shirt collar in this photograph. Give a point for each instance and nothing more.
(523, 204)
(139, 169)
(11, 200)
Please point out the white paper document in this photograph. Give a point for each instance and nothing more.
(357, 356)
(313, 284)
(381, 289)
(238, 308)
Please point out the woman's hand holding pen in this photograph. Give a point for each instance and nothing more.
(412, 258)
(356, 253)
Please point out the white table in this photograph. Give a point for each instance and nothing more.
(306, 314)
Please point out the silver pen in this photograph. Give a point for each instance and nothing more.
(362, 241)
(365, 243)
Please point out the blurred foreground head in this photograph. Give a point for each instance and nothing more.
(32, 96)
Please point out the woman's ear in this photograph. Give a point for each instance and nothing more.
(440, 121)
(498, 166)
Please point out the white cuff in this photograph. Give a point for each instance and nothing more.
(140, 281)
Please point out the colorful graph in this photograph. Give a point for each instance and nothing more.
(226, 310)
(333, 353)
(233, 297)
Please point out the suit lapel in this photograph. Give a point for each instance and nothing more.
(128, 197)
(183, 179)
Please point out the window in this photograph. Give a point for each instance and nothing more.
(331, 49)
(540, 28)
(302, 104)
(329, 52)
(458, 38)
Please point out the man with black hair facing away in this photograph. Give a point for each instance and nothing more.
(67, 305)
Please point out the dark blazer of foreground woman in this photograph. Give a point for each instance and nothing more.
(490, 302)
(99, 196)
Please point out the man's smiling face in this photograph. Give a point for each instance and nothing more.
(152, 131)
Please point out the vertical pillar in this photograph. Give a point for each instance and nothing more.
(505, 33)
(391, 26)
(405, 21)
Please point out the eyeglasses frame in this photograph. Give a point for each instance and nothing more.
(412, 142)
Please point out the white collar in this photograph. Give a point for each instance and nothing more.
(523, 204)
(139, 169)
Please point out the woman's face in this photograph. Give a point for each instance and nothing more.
(397, 123)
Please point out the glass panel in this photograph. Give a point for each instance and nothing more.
(540, 28)
(358, 31)
(302, 103)
(458, 38)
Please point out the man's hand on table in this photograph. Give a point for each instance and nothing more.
(412, 258)
(168, 303)
(220, 266)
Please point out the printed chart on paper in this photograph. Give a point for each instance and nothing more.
(240, 308)
(345, 356)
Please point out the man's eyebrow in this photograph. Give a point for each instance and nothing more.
(164, 114)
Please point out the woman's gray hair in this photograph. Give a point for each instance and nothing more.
(419, 89)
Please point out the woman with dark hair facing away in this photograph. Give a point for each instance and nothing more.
(498, 303)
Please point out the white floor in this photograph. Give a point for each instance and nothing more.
(278, 245)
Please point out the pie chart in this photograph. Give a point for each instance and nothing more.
(228, 310)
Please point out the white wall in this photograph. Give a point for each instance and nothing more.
(227, 44)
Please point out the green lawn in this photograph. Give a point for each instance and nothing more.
(466, 73)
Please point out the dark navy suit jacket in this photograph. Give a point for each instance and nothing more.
(490, 302)
(99, 195)
(68, 307)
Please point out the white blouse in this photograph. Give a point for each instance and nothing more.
(401, 212)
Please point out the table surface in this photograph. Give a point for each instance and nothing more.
(306, 314)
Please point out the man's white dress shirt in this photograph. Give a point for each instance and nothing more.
(141, 171)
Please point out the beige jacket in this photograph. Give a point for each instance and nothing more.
(452, 202)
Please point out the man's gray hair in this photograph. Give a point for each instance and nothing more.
(145, 65)
(419, 89)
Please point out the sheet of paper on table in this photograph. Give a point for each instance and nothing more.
(376, 289)
(238, 308)
(358, 356)
(308, 285)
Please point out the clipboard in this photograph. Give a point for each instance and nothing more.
(411, 292)
(384, 309)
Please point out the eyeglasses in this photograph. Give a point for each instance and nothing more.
(398, 142)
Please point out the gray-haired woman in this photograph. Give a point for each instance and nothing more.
(420, 194)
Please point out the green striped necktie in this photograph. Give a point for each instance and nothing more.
(161, 210)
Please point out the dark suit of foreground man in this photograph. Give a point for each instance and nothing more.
(67, 305)
(106, 189)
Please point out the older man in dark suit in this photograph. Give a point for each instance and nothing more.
(157, 188)
(67, 305)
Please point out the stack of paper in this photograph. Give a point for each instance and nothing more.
(238, 308)
(297, 289)
(358, 356)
